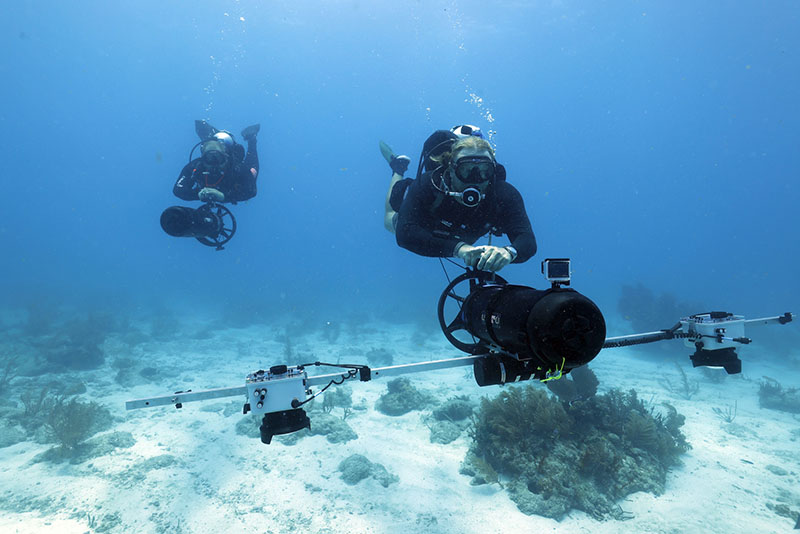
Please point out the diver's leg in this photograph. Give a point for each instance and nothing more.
(399, 165)
(388, 211)
(251, 159)
(249, 134)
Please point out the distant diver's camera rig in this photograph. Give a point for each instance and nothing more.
(212, 223)
(510, 333)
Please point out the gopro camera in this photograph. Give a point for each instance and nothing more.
(557, 270)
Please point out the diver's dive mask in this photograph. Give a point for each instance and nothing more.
(214, 153)
(470, 196)
(475, 169)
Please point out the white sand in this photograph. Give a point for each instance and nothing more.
(224, 482)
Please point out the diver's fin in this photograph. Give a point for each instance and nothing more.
(251, 131)
(204, 130)
(387, 152)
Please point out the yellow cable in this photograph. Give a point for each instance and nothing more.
(555, 375)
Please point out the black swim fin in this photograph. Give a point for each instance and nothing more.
(204, 130)
(251, 131)
(398, 164)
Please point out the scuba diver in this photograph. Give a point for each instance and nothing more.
(459, 195)
(223, 172)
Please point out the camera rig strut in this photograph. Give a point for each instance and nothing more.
(511, 333)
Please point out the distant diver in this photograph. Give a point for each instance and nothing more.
(459, 195)
(223, 172)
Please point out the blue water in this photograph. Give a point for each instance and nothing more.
(652, 143)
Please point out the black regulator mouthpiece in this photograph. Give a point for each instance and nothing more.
(525, 332)
(471, 197)
(211, 224)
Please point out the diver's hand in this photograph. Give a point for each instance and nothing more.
(485, 257)
(469, 254)
(209, 194)
(494, 258)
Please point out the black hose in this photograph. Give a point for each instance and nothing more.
(352, 372)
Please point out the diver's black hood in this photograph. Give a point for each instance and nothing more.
(436, 144)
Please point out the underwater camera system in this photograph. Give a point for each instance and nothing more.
(523, 332)
(557, 271)
(276, 394)
(715, 336)
(212, 224)
(515, 333)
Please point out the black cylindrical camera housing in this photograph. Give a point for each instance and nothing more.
(555, 326)
(180, 221)
(494, 370)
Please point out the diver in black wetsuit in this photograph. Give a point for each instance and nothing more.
(462, 197)
(223, 172)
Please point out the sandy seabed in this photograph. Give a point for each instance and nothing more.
(221, 481)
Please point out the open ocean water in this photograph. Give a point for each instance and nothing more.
(654, 143)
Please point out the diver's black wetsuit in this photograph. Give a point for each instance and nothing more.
(430, 224)
(237, 181)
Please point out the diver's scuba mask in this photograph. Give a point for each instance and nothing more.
(470, 196)
(214, 153)
(474, 172)
(475, 169)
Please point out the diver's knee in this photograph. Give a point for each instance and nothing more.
(390, 221)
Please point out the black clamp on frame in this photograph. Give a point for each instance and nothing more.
(364, 373)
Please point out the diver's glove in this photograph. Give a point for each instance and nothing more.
(399, 164)
(250, 132)
(486, 257)
(209, 194)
